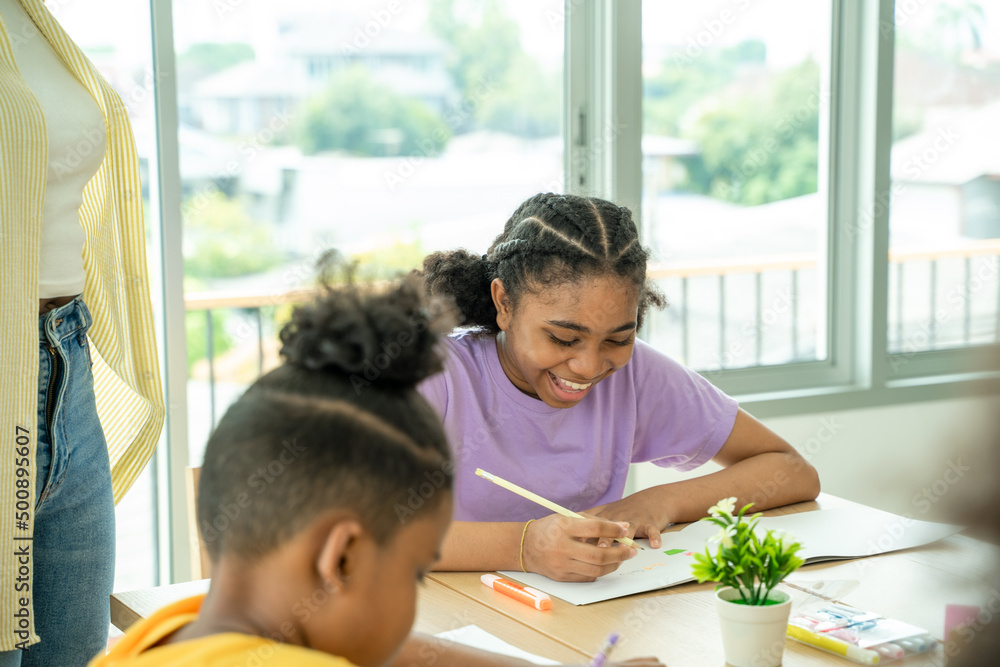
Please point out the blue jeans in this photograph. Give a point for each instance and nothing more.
(74, 538)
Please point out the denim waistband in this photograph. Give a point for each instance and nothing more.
(63, 322)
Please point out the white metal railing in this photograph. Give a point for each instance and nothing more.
(723, 271)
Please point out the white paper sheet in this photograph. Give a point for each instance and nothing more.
(476, 637)
(825, 535)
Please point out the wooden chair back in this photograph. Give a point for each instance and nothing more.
(201, 566)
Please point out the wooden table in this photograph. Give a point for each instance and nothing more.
(679, 624)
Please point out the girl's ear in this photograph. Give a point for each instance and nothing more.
(338, 555)
(502, 303)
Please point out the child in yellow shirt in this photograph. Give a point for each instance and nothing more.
(314, 566)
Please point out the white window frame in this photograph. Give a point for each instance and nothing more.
(604, 90)
(165, 204)
(603, 131)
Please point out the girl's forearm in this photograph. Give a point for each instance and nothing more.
(767, 480)
(475, 545)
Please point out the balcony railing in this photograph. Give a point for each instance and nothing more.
(722, 272)
(961, 278)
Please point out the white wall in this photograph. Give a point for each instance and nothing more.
(923, 459)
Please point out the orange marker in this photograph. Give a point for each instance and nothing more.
(529, 596)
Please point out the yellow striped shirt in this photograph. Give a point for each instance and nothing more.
(126, 370)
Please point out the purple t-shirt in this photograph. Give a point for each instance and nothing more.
(652, 409)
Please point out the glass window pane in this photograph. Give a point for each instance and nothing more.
(384, 130)
(124, 57)
(734, 203)
(944, 203)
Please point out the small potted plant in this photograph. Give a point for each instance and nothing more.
(753, 616)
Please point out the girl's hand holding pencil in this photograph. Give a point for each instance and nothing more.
(565, 549)
(568, 546)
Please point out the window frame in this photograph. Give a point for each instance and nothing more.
(170, 461)
(603, 39)
(602, 139)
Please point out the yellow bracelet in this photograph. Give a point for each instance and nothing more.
(520, 551)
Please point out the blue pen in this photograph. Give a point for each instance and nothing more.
(602, 655)
(858, 626)
(849, 611)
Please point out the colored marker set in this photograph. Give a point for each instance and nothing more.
(859, 636)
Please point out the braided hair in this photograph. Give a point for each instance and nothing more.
(551, 239)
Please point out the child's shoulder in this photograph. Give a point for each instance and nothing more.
(649, 364)
(297, 656)
(141, 646)
(467, 344)
(470, 337)
(465, 354)
(647, 358)
(224, 650)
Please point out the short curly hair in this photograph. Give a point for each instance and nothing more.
(339, 424)
(551, 239)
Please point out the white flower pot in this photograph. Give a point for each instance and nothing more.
(752, 636)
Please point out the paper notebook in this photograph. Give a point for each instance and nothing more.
(476, 637)
(824, 534)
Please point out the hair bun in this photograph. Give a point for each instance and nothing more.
(376, 333)
(466, 278)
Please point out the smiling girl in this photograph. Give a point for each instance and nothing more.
(548, 387)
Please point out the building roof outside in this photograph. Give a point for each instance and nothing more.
(958, 145)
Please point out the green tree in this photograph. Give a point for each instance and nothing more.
(484, 39)
(959, 25)
(389, 261)
(527, 103)
(196, 328)
(222, 241)
(486, 54)
(358, 115)
(683, 82)
(760, 146)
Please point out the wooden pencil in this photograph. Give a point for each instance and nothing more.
(534, 497)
